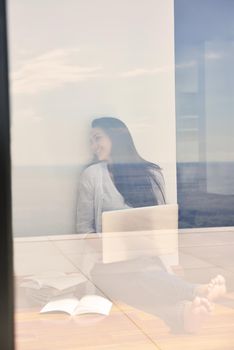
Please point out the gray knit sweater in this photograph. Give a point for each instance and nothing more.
(97, 193)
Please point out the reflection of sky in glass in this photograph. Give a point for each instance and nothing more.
(87, 58)
(74, 61)
(205, 84)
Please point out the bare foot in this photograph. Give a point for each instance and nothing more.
(214, 290)
(196, 313)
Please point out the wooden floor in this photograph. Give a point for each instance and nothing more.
(126, 328)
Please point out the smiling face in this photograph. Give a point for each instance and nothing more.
(100, 144)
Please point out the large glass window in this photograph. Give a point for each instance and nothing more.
(204, 52)
(122, 161)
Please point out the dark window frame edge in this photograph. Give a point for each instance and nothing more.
(6, 239)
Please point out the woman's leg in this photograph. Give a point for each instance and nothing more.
(147, 287)
(144, 279)
(139, 289)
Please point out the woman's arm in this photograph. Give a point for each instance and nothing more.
(158, 184)
(85, 222)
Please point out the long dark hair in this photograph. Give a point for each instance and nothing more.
(132, 175)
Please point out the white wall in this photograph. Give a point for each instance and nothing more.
(84, 59)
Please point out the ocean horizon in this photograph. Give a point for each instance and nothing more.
(44, 197)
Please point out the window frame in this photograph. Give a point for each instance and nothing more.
(6, 239)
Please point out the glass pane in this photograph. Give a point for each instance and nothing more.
(204, 99)
(96, 121)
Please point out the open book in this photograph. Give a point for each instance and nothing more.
(73, 306)
(56, 280)
(42, 288)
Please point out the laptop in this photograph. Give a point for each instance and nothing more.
(138, 232)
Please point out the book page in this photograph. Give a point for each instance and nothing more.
(94, 304)
(57, 281)
(67, 305)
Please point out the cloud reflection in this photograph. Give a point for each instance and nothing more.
(51, 70)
